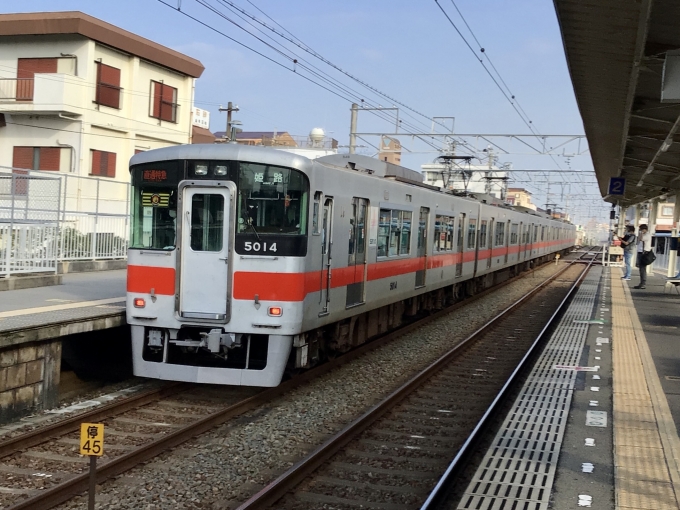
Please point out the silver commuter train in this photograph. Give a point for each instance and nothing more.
(245, 260)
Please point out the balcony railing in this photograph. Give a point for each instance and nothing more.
(16, 89)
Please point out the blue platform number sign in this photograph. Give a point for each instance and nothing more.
(617, 185)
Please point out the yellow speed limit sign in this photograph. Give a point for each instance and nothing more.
(92, 439)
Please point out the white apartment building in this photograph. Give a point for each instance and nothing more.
(80, 96)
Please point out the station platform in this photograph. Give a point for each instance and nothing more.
(76, 305)
(33, 323)
(596, 424)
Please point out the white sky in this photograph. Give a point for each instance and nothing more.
(406, 49)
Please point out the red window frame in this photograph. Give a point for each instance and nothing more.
(163, 102)
(108, 86)
(103, 163)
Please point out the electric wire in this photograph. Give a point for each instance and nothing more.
(342, 95)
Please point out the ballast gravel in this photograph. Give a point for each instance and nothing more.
(222, 468)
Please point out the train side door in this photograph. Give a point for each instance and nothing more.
(527, 242)
(491, 242)
(459, 244)
(205, 247)
(326, 258)
(520, 242)
(357, 251)
(423, 222)
(507, 241)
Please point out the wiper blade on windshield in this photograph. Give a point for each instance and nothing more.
(253, 227)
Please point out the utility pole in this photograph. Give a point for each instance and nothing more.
(353, 129)
(230, 108)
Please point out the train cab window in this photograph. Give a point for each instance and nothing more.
(472, 232)
(272, 200)
(154, 213)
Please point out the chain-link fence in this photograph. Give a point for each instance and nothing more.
(47, 217)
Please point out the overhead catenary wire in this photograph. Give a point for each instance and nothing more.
(410, 129)
(292, 59)
(497, 79)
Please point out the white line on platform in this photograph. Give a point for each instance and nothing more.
(56, 308)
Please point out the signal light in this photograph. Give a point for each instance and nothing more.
(139, 302)
(275, 311)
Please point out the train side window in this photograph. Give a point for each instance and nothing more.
(405, 234)
(535, 233)
(443, 233)
(472, 232)
(449, 233)
(500, 234)
(394, 233)
(316, 224)
(482, 233)
(384, 231)
(513, 233)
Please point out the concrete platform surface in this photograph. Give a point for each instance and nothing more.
(75, 288)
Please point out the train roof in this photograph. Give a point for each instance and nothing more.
(348, 162)
(224, 151)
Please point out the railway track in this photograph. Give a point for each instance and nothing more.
(41, 469)
(392, 456)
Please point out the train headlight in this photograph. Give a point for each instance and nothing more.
(139, 302)
(220, 170)
(275, 311)
(201, 169)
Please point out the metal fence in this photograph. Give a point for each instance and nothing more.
(47, 217)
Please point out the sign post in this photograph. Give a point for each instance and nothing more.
(92, 445)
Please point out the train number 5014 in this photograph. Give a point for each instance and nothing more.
(259, 247)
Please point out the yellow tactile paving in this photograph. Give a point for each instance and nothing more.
(645, 448)
(642, 463)
(628, 435)
(630, 413)
(644, 495)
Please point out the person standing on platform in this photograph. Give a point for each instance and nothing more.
(628, 244)
(644, 245)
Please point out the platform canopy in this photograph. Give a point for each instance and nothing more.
(616, 51)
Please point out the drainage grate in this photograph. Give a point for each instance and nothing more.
(519, 468)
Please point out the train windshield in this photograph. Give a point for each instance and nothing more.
(154, 213)
(271, 200)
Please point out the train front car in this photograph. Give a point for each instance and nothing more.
(210, 223)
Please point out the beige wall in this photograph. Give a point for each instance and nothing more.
(84, 125)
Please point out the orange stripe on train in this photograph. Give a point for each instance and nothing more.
(144, 278)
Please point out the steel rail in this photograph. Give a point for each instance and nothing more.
(43, 434)
(275, 490)
(79, 483)
(439, 492)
